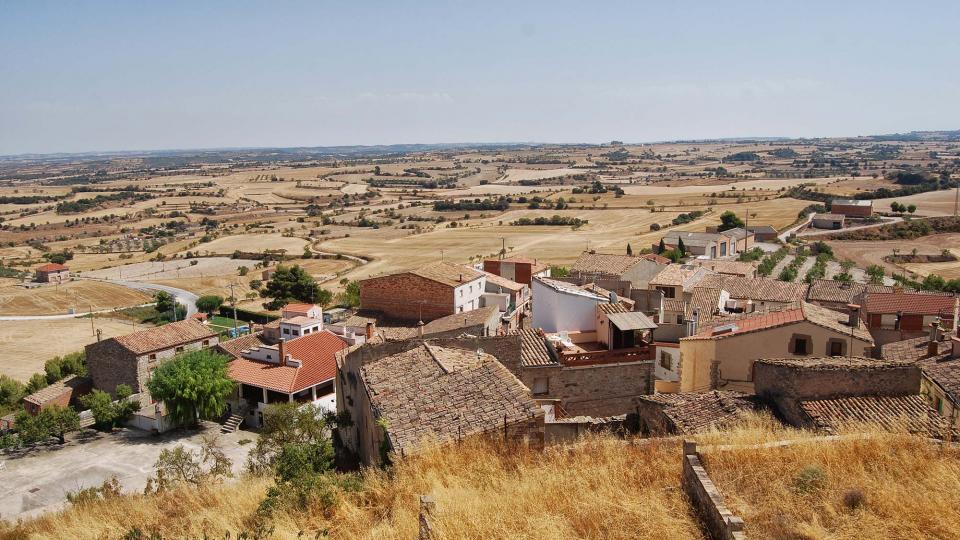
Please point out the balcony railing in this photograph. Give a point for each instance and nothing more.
(593, 358)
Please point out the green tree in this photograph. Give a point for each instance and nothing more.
(629, 249)
(54, 421)
(209, 303)
(192, 385)
(11, 392)
(350, 295)
(875, 273)
(662, 247)
(681, 249)
(168, 307)
(37, 381)
(559, 271)
(729, 220)
(107, 412)
(293, 437)
(912, 208)
(293, 284)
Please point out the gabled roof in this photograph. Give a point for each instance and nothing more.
(438, 393)
(813, 314)
(234, 347)
(403, 330)
(679, 275)
(912, 350)
(317, 364)
(909, 413)
(852, 202)
(445, 273)
(504, 283)
(696, 412)
(945, 373)
(757, 289)
(762, 229)
(735, 268)
(612, 264)
(832, 217)
(51, 267)
(909, 303)
(693, 238)
(533, 349)
(704, 301)
(164, 337)
(569, 288)
(298, 308)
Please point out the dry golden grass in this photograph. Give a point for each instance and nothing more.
(600, 487)
(55, 300)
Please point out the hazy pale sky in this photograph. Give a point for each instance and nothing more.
(126, 75)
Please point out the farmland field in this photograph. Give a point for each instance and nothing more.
(80, 295)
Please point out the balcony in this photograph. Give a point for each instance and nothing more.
(586, 355)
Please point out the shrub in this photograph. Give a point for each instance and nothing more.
(854, 498)
(811, 478)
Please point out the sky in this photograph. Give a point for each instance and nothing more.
(104, 76)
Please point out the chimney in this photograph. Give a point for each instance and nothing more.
(369, 332)
(420, 329)
(854, 319)
(933, 347)
(283, 356)
(955, 344)
(461, 277)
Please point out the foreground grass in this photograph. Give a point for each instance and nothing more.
(600, 487)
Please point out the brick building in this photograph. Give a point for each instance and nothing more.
(61, 394)
(52, 273)
(129, 359)
(426, 293)
(852, 207)
(400, 395)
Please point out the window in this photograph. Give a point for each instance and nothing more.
(713, 252)
(679, 319)
(153, 357)
(541, 385)
(668, 292)
(178, 349)
(836, 347)
(800, 345)
(723, 249)
(286, 331)
(666, 361)
(206, 343)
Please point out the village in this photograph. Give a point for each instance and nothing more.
(684, 338)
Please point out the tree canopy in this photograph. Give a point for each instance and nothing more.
(192, 385)
(293, 284)
(729, 220)
(209, 303)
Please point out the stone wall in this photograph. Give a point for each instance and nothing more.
(786, 383)
(717, 521)
(110, 364)
(402, 296)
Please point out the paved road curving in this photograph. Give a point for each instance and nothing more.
(187, 298)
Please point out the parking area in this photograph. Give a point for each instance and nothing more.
(39, 481)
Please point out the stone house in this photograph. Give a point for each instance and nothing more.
(828, 394)
(677, 281)
(52, 273)
(401, 395)
(518, 269)
(721, 355)
(692, 413)
(426, 293)
(755, 294)
(938, 357)
(764, 233)
(130, 358)
(837, 295)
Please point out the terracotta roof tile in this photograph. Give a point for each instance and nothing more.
(896, 413)
(233, 347)
(611, 264)
(534, 351)
(164, 337)
(317, 364)
(700, 411)
(757, 289)
(437, 393)
(680, 275)
(912, 303)
(802, 311)
(51, 267)
(912, 350)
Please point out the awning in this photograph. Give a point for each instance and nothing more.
(631, 320)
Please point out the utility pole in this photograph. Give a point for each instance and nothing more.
(92, 331)
(233, 300)
(956, 201)
(503, 249)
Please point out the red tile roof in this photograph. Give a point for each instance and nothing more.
(297, 308)
(802, 311)
(51, 267)
(911, 303)
(317, 364)
(165, 337)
